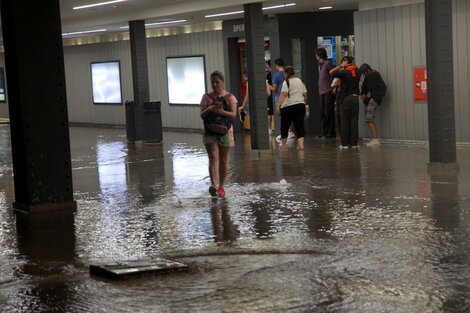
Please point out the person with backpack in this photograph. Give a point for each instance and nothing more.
(218, 109)
(372, 92)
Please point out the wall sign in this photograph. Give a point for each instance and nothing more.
(420, 85)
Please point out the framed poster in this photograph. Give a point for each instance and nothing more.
(186, 79)
(106, 82)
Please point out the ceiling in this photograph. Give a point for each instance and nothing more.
(113, 16)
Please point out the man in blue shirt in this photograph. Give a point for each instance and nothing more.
(278, 79)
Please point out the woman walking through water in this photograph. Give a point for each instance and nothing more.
(218, 109)
(291, 107)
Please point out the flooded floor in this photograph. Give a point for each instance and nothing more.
(319, 230)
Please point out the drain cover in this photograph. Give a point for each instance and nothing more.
(118, 270)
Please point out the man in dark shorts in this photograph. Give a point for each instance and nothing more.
(373, 90)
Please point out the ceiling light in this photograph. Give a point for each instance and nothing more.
(85, 32)
(97, 4)
(279, 6)
(167, 22)
(223, 14)
(325, 8)
(240, 12)
(158, 23)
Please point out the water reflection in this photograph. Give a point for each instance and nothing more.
(445, 198)
(263, 221)
(225, 231)
(46, 241)
(110, 158)
(346, 231)
(446, 213)
(150, 181)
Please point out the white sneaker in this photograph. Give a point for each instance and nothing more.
(342, 147)
(355, 147)
(278, 138)
(291, 135)
(373, 142)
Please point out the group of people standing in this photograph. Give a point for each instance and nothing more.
(288, 94)
(344, 84)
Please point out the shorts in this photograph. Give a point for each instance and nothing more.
(270, 106)
(223, 141)
(370, 110)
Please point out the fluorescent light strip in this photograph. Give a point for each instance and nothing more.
(97, 4)
(167, 22)
(279, 6)
(85, 32)
(223, 14)
(158, 23)
(325, 8)
(240, 12)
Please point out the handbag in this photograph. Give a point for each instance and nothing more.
(216, 124)
(217, 129)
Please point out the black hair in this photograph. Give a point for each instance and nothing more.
(365, 68)
(321, 53)
(350, 59)
(279, 62)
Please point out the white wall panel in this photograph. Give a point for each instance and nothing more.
(393, 41)
(78, 79)
(461, 28)
(78, 76)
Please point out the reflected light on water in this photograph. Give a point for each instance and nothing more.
(111, 167)
(190, 169)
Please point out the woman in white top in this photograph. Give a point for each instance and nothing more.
(291, 107)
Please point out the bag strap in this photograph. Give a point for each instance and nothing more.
(288, 87)
(226, 96)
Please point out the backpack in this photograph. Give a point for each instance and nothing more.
(382, 88)
(214, 123)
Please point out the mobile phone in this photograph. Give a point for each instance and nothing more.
(219, 105)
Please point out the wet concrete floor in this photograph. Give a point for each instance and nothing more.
(323, 230)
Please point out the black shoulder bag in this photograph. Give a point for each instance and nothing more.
(215, 123)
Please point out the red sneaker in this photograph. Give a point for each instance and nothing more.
(221, 192)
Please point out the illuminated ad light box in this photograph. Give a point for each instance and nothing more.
(2, 85)
(106, 82)
(186, 80)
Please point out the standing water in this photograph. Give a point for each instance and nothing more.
(319, 230)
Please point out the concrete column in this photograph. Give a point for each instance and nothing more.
(34, 58)
(256, 75)
(439, 61)
(140, 77)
